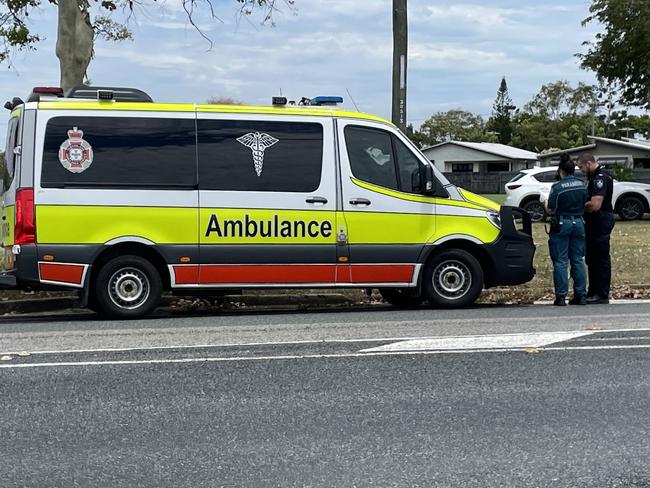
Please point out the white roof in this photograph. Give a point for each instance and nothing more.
(507, 152)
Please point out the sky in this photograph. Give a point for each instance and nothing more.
(458, 53)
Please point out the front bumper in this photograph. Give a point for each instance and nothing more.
(511, 255)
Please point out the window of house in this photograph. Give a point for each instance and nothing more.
(462, 167)
(642, 163)
(498, 167)
(127, 152)
(249, 155)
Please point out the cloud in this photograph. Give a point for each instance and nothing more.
(458, 53)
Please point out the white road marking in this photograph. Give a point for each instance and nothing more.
(478, 338)
(305, 356)
(496, 341)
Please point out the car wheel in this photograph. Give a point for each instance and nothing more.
(452, 279)
(630, 208)
(535, 209)
(127, 287)
(401, 297)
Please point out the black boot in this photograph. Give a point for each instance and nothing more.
(578, 300)
(559, 301)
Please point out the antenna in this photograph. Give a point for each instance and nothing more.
(355, 104)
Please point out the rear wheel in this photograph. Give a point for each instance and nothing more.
(453, 279)
(401, 297)
(127, 287)
(535, 209)
(630, 208)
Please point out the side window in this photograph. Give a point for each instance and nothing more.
(246, 155)
(371, 156)
(10, 157)
(409, 168)
(546, 177)
(119, 152)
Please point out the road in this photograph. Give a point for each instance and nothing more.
(491, 396)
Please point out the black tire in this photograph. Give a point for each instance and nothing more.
(630, 208)
(535, 209)
(453, 279)
(402, 297)
(127, 287)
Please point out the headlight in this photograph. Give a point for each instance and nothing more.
(494, 218)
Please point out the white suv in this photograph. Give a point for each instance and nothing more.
(630, 200)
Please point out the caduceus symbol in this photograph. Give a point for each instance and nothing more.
(258, 143)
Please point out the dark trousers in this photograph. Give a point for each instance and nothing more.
(598, 229)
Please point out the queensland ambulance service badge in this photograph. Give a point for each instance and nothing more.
(75, 154)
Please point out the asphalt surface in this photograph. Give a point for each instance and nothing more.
(368, 398)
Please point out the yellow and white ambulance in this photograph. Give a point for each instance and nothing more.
(122, 198)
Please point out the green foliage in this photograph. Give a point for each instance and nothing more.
(457, 125)
(501, 123)
(619, 55)
(559, 99)
(622, 173)
(415, 136)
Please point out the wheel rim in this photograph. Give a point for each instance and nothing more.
(631, 209)
(452, 279)
(535, 210)
(129, 288)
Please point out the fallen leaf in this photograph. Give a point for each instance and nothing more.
(532, 350)
(24, 354)
(594, 327)
(6, 358)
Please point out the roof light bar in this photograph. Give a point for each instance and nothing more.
(326, 100)
(279, 100)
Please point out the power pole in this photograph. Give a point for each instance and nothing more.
(400, 48)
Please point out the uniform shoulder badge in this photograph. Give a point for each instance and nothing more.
(75, 154)
(599, 184)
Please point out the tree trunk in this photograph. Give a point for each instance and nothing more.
(74, 43)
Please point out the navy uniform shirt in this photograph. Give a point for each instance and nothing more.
(601, 184)
(568, 197)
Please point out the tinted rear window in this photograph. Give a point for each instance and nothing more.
(127, 152)
(249, 155)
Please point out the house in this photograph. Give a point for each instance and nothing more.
(631, 153)
(479, 157)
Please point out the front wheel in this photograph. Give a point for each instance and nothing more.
(453, 279)
(535, 209)
(630, 208)
(127, 287)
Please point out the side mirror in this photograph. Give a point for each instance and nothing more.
(429, 180)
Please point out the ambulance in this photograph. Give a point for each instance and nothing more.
(123, 199)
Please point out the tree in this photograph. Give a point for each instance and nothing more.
(77, 30)
(416, 137)
(557, 99)
(224, 101)
(457, 125)
(501, 122)
(619, 55)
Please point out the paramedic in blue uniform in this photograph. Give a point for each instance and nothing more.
(599, 222)
(566, 205)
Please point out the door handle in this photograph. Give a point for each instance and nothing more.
(316, 200)
(359, 201)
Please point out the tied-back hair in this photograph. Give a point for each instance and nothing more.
(567, 165)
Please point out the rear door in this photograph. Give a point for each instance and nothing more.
(9, 185)
(268, 200)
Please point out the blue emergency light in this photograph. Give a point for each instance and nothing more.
(326, 100)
